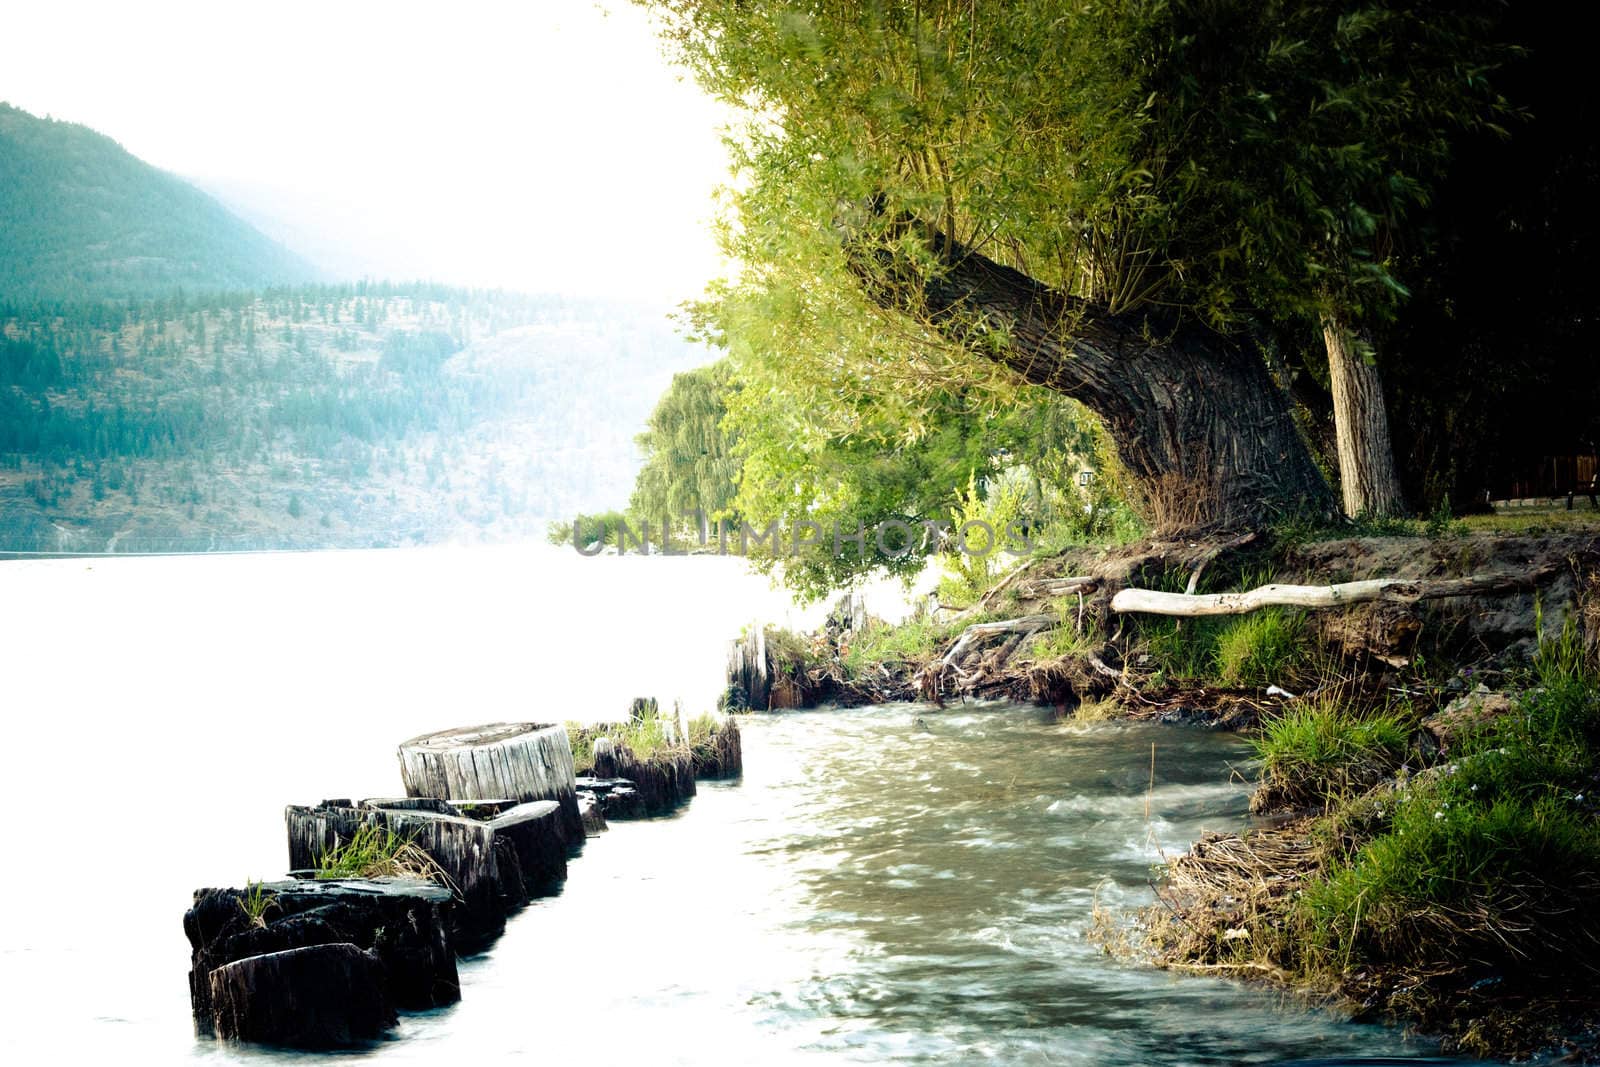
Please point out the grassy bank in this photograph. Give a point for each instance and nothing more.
(1429, 765)
(1457, 894)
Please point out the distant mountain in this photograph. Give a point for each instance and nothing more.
(81, 217)
(358, 415)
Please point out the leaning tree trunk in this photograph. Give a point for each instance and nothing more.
(1198, 423)
(1367, 477)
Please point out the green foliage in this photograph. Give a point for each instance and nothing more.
(914, 642)
(1442, 522)
(1260, 648)
(601, 528)
(1183, 650)
(1218, 157)
(853, 462)
(689, 460)
(1064, 640)
(990, 519)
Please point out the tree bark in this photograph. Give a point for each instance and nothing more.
(1198, 423)
(1368, 481)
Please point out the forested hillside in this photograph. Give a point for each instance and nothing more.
(81, 217)
(323, 415)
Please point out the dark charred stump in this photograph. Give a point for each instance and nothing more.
(318, 996)
(406, 923)
(467, 851)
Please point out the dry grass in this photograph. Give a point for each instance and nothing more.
(377, 852)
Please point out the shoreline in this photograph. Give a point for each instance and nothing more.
(1414, 691)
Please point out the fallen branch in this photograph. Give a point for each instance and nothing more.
(1313, 597)
(1026, 625)
(982, 603)
(1053, 587)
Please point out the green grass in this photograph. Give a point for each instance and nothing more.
(1257, 649)
(1318, 752)
(1491, 863)
(914, 641)
(377, 852)
(1065, 640)
(1534, 520)
(1260, 648)
(1183, 650)
(645, 732)
(256, 902)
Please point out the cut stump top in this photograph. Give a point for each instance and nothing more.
(475, 736)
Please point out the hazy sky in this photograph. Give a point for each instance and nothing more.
(542, 145)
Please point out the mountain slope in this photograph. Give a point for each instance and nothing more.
(81, 217)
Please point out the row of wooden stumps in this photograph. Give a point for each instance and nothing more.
(494, 811)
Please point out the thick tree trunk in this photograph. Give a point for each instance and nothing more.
(1199, 424)
(1367, 477)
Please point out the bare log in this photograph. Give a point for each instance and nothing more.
(1317, 597)
(523, 761)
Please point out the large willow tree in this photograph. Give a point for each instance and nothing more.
(1106, 199)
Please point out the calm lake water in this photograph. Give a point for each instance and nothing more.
(870, 892)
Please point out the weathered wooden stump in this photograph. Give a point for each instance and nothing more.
(539, 841)
(594, 818)
(749, 672)
(725, 757)
(522, 761)
(494, 864)
(405, 922)
(318, 996)
(614, 798)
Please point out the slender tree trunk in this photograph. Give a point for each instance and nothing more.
(1198, 423)
(1367, 477)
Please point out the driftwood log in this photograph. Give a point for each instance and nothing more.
(318, 997)
(522, 761)
(1316, 597)
(493, 864)
(404, 922)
